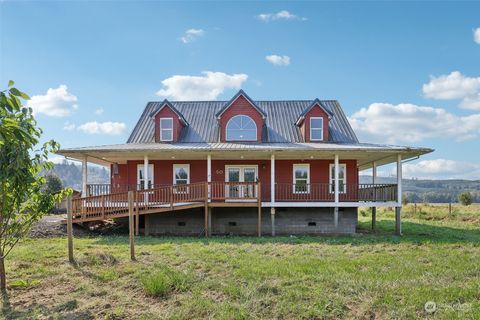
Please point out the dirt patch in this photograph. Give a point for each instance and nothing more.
(55, 226)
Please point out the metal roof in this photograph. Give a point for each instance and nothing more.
(279, 123)
(247, 146)
(364, 153)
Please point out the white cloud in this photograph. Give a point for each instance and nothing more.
(407, 123)
(476, 35)
(278, 60)
(455, 86)
(442, 169)
(110, 128)
(56, 102)
(281, 15)
(68, 126)
(192, 34)
(206, 87)
(99, 111)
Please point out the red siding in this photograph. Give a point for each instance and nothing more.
(241, 106)
(319, 170)
(119, 179)
(166, 112)
(316, 111)
(163, 171)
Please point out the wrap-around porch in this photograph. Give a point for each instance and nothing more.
(208, 183)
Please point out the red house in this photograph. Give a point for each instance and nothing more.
(240, 167)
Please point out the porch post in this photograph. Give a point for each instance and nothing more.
(209, 175)
(398, 209)
(374, 209)
(335, 212)
(272, 179)
(84, 177)
(145, 172)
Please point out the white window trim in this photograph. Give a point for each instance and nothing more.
(180, 165)
(331, 179)
(150, 172)
(316, 118)
(169, 129)
(305, 165)
(187, 167)
(240, 115)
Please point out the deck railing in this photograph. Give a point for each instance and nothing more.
(111, 205)
(96, 189)
(231, 191)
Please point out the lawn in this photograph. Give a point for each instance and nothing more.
(370, 275)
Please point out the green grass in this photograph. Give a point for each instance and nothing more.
(369, 275)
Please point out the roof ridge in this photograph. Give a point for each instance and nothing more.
(225, 101)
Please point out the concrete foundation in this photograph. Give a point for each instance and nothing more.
(243, 221)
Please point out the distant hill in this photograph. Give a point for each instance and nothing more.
(434, 191)
(71, 174)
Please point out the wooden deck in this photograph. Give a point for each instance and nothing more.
(166, 199)
(158, 199)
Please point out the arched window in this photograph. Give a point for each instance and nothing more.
(241, 128)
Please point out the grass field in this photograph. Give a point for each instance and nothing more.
(370, 275)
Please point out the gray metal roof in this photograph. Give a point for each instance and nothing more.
(279, 124)
(219, 146)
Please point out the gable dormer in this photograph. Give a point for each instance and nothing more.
(169, 123)
(241, 120)
(314, 122)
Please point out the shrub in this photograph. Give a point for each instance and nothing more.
(465, 198)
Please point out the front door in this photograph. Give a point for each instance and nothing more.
(242, 179)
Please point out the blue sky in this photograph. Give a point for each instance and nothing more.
(405, 73)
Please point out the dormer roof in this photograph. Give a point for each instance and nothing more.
(235, 97)
(315, 102)
(166, 103)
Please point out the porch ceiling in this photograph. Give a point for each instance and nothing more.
(365, 154)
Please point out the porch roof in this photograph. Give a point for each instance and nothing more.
(364, 153)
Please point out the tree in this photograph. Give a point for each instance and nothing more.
(53, 183)
(22, 161)
(465, 198)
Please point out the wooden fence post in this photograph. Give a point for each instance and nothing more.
(70, 229)
(130, 225)
(450, 208)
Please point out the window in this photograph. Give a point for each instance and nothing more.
(166, 129)
(301, 178)
(141, 176)
(316, 129)
(241, 128)
(342, 178)
(181, 176)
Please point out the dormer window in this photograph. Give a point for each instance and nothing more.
(241, 128)
(166, 129)
(316, 129)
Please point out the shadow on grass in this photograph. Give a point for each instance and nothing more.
(34, 310)
(413, 232)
